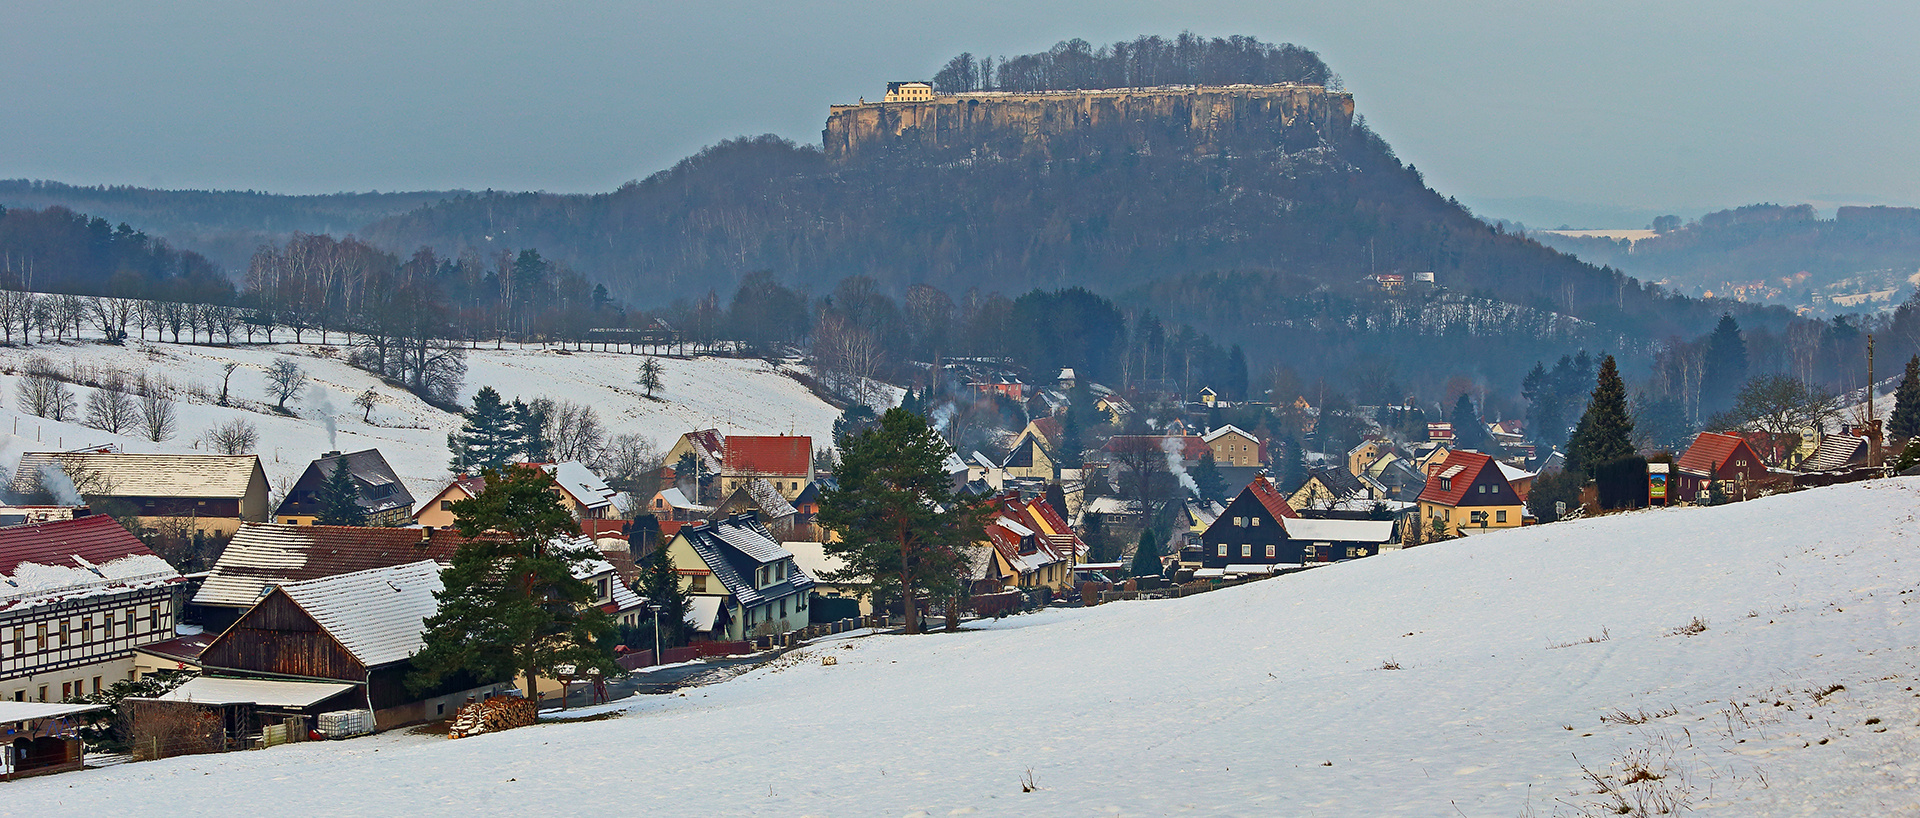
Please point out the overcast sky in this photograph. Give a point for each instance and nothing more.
(1623, 108)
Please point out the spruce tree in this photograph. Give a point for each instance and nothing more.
(660, 584)
(1236, 382)
(1904, 423)
(485, 440)
(511, 603)
(1206, 477)
(1605, 433)
(1146, 556)
(527, 427)
(1724, 369)
(1468, 431)
(340, 498)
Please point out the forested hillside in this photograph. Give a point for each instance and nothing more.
(226, 226)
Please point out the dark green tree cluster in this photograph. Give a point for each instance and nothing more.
(1554, 396)
(1145, 61)
(1468, 430)
(1605, 431)
(1724, 369)
(660, 583)
(67, 252)
(1146, 555)
(511, 603)
(1207, 478)
(493, 433)
(1904, 423)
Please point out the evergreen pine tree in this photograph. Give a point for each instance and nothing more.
(1236, 382)
(1606, 430)
(1146, 557)
(900, 524)
(1724, 369)
(1468, 431)
(1291, 463)
(660, 584)
(1100, 546)
(1206, 477)
(485, 440)
(1904, 423)
(340, 499)
(511, 604)
(527, 428)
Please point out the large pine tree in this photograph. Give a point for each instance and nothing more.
(660, 584)
(1605, 433)
(1468, 431)
(1904, 423)
(339, 498)
(901, 526)
(486, 439)
(511, 602)
(1724, 369)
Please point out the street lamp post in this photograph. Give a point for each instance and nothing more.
(657, 659)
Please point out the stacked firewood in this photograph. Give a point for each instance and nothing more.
(497, 713)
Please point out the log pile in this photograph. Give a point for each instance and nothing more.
(491, 715)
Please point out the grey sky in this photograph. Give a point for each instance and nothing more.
(1636, 106)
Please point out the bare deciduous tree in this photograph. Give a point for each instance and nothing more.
(628, 458)
(233, 437)
(575, 432)
(366, 400)
(285, 379)
(42, 393)
(156, 416)
(110, 409)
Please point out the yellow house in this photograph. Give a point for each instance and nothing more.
(1233, 446)
(1363, 455)
(583, 494)
(910, 91)
(1030, 459)
(1468, 494)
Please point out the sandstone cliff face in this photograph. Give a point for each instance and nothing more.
(1194, 120)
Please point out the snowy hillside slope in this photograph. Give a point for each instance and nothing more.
(735, 395)
(1268, 699)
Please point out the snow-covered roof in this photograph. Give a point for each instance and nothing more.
(1015, 527)
(269, 692)
(265, 554)
(66, 559)
(1225, 430)
(623, 597)
(812, 558)
(702, 611)
(1373, 531)
(146, 475)
(376, 614)
(1512, 472)
(576, 479)
(12, 712)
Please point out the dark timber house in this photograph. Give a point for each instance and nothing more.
(382, 497)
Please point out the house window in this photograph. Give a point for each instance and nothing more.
(96, 684)
(1446, 484)
(19, 640)
(1246, 549)
(1500, 516)
(86, 628)
(64, 638)
(1254, 521)
(783, 608)
(446, 505)
(43, 693)
(697, 583)
(66, 691)
(1483, 488)
(1223, 549)
(1270, 550)
(40, 643)
(1356, 551)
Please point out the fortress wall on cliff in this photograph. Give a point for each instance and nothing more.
(1196, 119)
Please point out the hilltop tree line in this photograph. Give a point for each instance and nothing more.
(1144, 62)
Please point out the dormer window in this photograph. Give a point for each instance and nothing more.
(1446, 484)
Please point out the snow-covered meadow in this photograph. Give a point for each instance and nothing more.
(1524, 660)
(734, 395)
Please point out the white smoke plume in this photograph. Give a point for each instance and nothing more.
(1174, 450)
(317, 398)
(58, 484)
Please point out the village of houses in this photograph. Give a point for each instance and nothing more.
(297, 631)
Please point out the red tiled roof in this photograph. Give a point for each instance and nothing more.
(1708, 453)
(1269, 496)
(1049, 426)
(96, 539)
(768, 454)
(1470, 464)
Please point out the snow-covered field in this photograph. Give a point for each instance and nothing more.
(734, 395)
(1521, 655)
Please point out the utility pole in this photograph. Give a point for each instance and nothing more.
(1873, 423)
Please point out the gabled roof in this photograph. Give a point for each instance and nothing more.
(266, 554)
(1837, 452)
(577, 480)
(1458, 472)
(1225, 430)
(1025, 455)
(767, 499)
(376, 614)
(768, 454)
(710, 444)
(734, 549)
(1708, 453)
(370, 473)
(1340, 482)
(71, 558)
(144, 475)
(1270, 497)
(1050, 427)
(1512, 473)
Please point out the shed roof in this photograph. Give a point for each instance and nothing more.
(272, 693)
(146, 475)
(376, 614)
(1837, 452)
(12, 712)
(266, 554)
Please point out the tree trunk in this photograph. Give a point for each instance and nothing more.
(533, 688)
